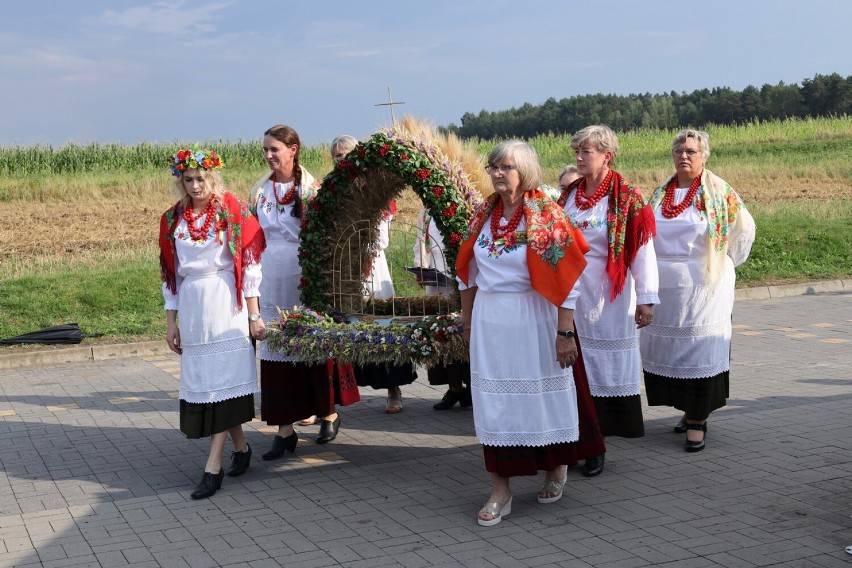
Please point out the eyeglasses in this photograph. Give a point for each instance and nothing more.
(690, 153)
(504, 169)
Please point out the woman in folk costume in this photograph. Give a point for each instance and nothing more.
(210, 249)
(429, 253)
(290, 390)
(618, 289)
(703, 232)
(516, 271)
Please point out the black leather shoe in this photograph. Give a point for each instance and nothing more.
(680, 427)
(210, 482)
(466, 399)
(594, 466)
(328, 430)
(281, 445)
(696, 446)
(450, 399)
(239, 462)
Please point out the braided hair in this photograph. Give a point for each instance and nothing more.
(287, 136)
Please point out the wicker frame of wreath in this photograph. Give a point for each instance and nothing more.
(359, 187)
(357, 190)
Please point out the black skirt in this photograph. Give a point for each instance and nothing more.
(384, 377)
(198, 420)
(697, 398)
(456, 373)
(620, 415)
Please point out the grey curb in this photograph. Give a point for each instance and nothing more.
(60, 355)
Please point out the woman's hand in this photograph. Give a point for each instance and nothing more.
(173, 338)
(466, 331)
(257, 329)
(566, 351)
(644, 315)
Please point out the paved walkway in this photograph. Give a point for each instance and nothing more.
(96, 473)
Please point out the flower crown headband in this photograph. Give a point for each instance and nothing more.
(194, 159)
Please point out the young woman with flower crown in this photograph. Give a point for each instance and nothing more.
(210, 249)
(290, 390)
(516, 271)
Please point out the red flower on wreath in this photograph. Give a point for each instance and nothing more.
(438, 190)
(345, 165)
(303, 282)
(455, 239)
(315, 205)
(450, 210)
(422, 173)
(384, 149)
(361, 151)
(404, 157)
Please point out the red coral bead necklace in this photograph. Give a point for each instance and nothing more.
(209, 212)
(499, 232)
(583, 202)
(288, 197)
(669, 209)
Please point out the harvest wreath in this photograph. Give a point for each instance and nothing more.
(314, 337)
(436, 167)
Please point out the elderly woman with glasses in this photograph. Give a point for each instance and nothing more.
(703, 232)
(618, 289)
(516, 271)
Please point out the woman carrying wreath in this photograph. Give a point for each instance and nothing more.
(210, 248)
(618, 289)
(290, 390)
(703, 232)
(516, 271)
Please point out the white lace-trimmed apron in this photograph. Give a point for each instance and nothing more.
(279, 287)
(521, 397)
(218, 361)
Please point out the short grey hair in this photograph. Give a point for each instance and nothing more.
(344, 142)
(525, 158)
(599, 136)
(701, 137)
(567, 170)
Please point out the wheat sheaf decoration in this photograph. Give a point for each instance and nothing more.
(441, 171)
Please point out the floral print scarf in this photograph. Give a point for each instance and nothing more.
(554, 248)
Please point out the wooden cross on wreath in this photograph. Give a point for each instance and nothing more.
(390, 104)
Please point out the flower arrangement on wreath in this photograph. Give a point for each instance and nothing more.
(441, 185)
(315, 337)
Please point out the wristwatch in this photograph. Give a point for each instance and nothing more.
(568, 334)
(254, 317)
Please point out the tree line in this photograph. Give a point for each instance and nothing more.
(822, 96)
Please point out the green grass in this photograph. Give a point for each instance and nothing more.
(115, 294)
(797, 242)
(116, 301)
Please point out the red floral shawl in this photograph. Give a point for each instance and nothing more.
(630, 224)
(244, 235)
(555, 248)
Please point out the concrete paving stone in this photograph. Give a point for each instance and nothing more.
(77, 562)
(776, 462)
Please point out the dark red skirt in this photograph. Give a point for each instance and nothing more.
(511, 461)
(293, 391)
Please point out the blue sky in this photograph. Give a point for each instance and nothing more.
(161, 71)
